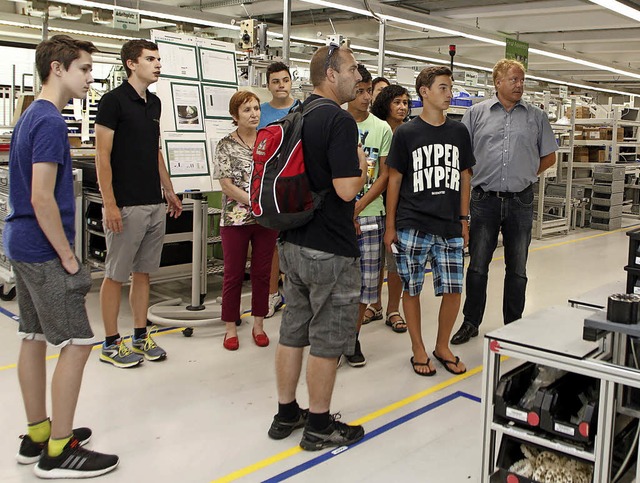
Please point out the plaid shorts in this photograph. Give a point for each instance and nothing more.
(446, 257)
(369, 242)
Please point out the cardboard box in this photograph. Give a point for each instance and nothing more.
(581, 154)
(592, 133)
(578, 134)
(606, 133)
(597, 155)
(582, 112)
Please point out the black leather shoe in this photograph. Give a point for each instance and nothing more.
(466, 332)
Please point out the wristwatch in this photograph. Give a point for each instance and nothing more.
(464, 218)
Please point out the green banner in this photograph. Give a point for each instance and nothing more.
(518, 51)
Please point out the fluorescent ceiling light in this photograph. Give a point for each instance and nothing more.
(347, 8)
(586, 63)
(38, 26)
(443, 30)
(619, 7)
(152, 14)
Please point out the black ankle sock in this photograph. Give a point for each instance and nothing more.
(111, 339)
(139, 333)
(319, 421)
(288, 411)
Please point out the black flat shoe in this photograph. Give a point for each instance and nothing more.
(466, 332)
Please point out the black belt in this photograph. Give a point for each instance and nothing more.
(503, 194)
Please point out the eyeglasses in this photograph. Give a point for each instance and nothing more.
(332, 48)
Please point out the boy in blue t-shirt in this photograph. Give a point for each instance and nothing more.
(279, 84)
(50, 281)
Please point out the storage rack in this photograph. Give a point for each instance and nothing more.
(633, 262)
(176, 254)
(545, 223)
(553, 338)
(7, 277)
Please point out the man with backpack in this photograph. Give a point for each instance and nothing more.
(320, 260)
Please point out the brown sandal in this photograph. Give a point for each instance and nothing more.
(398, 326)
(376, 314)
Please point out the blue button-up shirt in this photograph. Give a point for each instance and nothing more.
(507, 145)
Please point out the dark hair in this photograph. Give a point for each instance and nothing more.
(381, 107)
(132, 50)
(319, 63)
(277, 67)
(61, 48)
(428, 75)
(364, 73)
(237, 100)
(377, 80)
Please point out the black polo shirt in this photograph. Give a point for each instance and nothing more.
(134, 155)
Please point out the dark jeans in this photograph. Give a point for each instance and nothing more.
(489, 216)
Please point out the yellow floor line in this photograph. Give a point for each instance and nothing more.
(365, 419)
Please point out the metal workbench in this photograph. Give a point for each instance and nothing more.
(553, 337)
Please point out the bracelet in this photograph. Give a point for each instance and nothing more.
(464, 218)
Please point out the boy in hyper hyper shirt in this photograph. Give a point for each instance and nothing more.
(428, 213)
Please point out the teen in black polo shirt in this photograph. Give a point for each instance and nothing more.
(132, 176)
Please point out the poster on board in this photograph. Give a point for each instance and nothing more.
(187, 108)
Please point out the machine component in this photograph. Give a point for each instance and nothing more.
(338, 39)
(623, 308)
(247, 34)
(261, 45)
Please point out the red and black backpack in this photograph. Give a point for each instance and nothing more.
(280, 192)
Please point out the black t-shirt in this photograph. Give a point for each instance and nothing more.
(134, 155)
(330, 144)
(430, 159)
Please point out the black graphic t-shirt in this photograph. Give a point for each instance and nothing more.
(430, 159)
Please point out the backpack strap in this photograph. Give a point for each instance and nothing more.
(323, 101)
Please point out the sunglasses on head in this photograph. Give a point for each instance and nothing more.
(332, 48)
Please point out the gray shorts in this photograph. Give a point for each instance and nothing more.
(51, 303)
(138, 247)
(322, 291)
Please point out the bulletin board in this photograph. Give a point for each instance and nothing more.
(198, 78)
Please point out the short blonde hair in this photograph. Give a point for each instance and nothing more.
(503, 66)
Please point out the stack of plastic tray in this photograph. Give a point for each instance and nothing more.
(606, 201)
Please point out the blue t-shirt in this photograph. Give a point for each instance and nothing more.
(40, 136)
(269, 114)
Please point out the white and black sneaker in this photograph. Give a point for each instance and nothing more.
(75, 462)
(336, 434)
(357, 359)
(276, 301)
(30, 451)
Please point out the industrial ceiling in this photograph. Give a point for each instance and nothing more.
(577, 41)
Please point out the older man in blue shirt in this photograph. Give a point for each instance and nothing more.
(513, 143)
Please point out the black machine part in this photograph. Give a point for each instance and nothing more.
(623, 308)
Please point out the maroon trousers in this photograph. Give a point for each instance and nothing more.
(235, 243)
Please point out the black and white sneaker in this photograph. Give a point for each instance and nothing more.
(357, 359)
(75, 462)
(336, 434)
(30, 451)
(281, 428)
